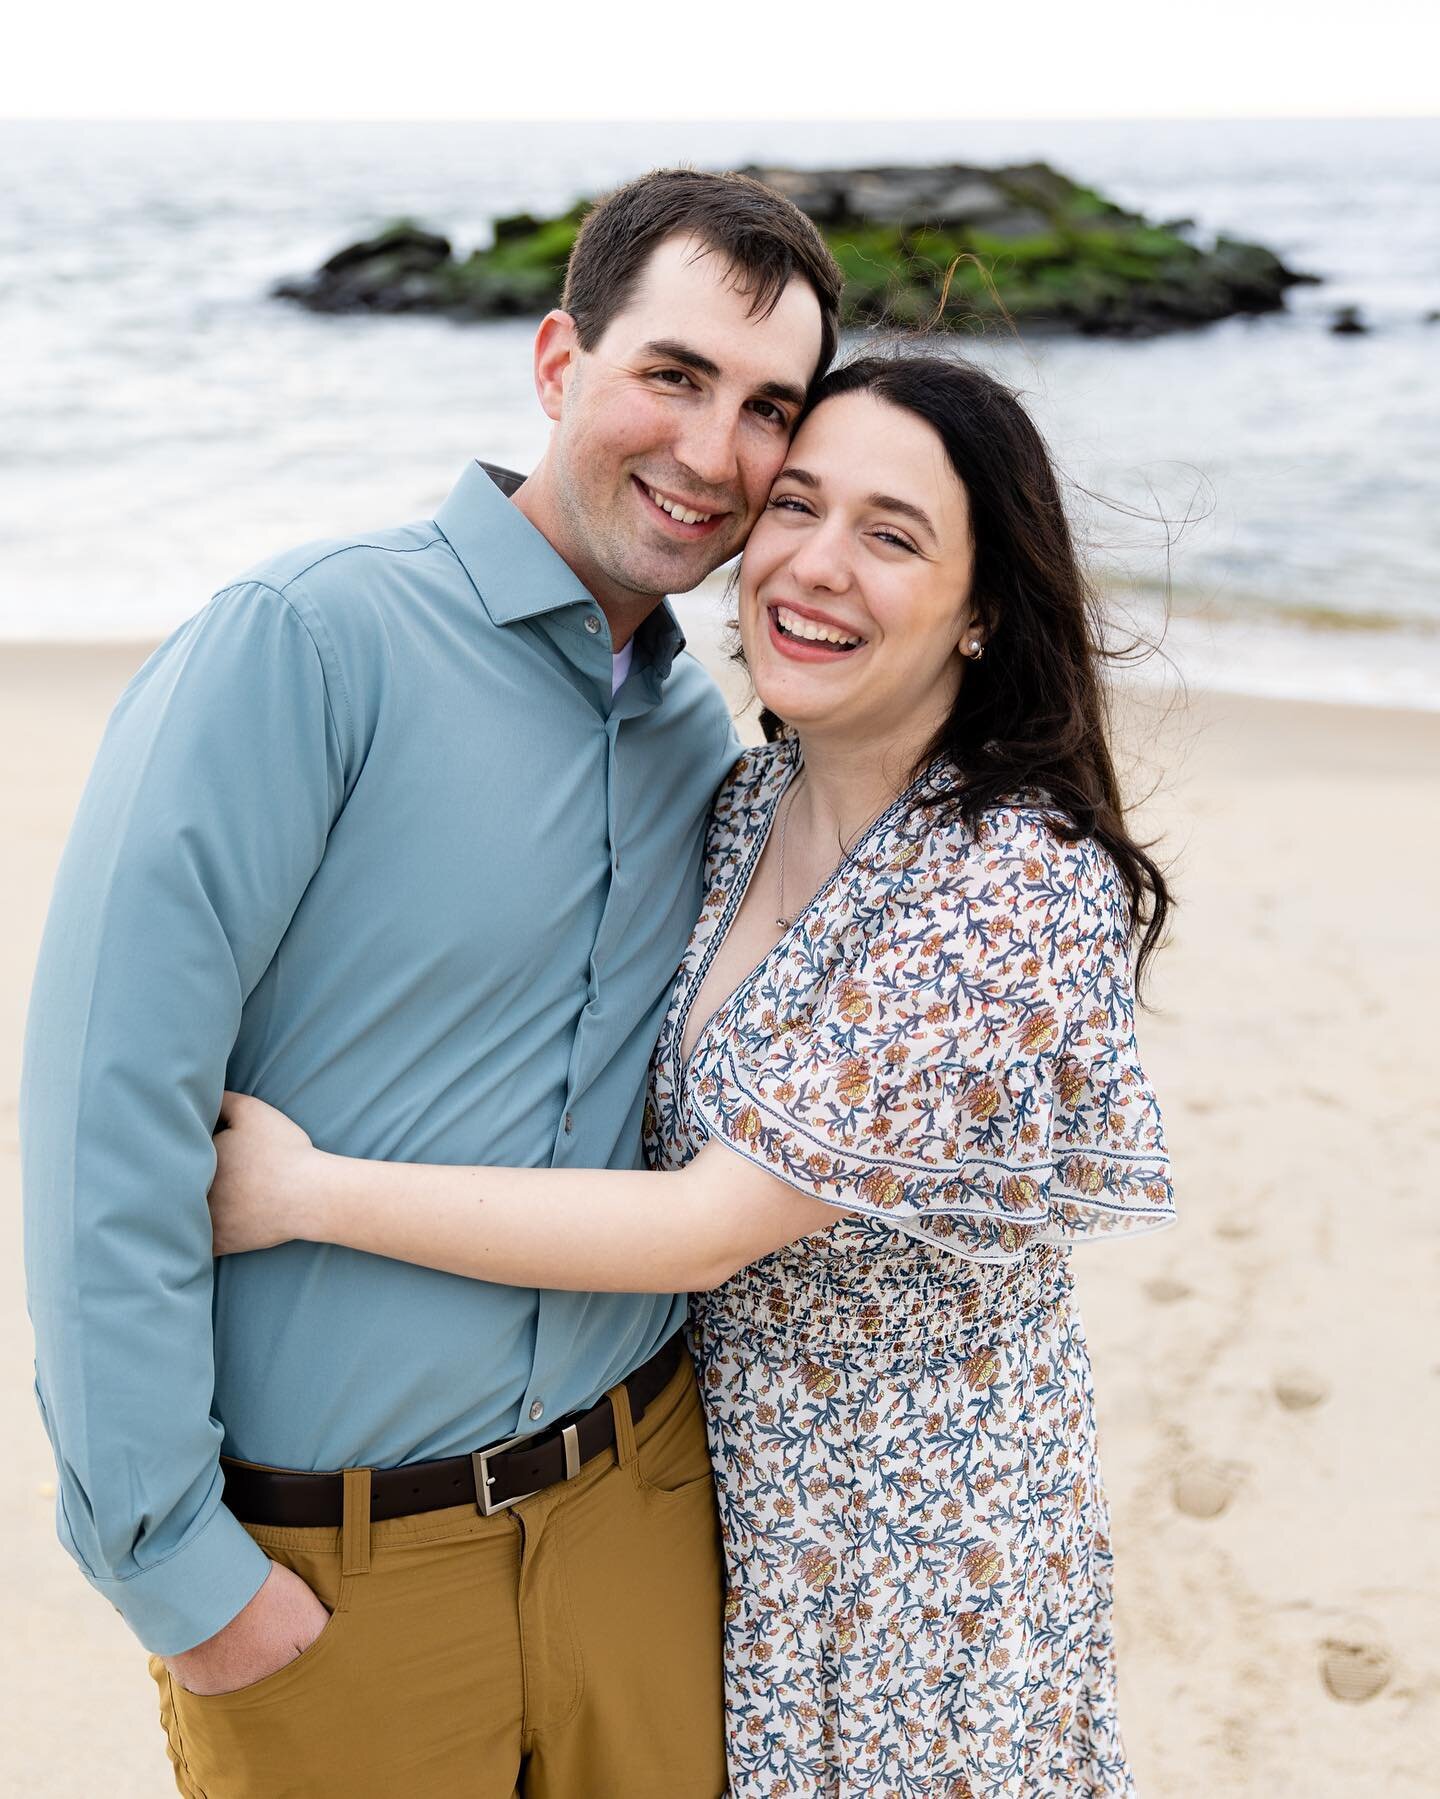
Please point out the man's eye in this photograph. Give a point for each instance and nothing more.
(770, 412)
(674, 377)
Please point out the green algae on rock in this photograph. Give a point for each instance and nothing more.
(945, 247)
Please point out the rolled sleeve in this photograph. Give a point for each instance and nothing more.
(203, 822)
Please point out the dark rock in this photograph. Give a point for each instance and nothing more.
(1253, 276)
(940, 248)
(403, 241)
(1347, 322)
(399, 270)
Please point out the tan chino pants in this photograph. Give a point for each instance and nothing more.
(568, 1648)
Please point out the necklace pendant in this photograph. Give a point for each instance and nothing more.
(784, 923)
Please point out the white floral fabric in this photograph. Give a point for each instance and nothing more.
(942, 1046)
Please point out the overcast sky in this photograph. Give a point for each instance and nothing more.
(727, 59)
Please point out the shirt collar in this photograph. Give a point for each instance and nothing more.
(659, 640)
(516, 571)
(512, 566)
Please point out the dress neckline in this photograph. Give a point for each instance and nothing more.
(735, 897)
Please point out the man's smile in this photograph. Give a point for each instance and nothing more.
(677, 515)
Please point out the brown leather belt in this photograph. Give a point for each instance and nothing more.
(488, 1478)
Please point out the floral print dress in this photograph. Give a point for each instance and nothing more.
(899, 1406)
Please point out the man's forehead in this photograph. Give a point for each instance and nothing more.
(692, 295)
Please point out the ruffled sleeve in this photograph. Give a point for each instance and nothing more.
(949, 1046)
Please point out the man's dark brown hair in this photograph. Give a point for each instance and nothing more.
(766, 239)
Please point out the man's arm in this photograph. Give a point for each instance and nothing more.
(202, 824)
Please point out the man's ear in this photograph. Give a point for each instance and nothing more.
(556, 344)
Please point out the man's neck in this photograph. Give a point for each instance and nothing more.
(624, 610)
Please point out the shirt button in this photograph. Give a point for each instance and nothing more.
(592, 624)
(569, 1124)
(537, 1412)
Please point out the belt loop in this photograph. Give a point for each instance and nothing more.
(624, 1429)
(355, 1528)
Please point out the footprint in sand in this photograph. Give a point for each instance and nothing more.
(1234, 1229)
(1354, 1671)
(1298, 1390)
(1203, 1488)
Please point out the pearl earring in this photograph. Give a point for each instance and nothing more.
(977, 649)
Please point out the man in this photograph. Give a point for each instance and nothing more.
(403, 834)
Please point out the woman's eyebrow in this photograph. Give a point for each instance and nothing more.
(885, 502)
(882, 502)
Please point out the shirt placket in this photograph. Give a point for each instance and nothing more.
(556, 1312)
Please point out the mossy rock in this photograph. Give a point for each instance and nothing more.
(1024, 242)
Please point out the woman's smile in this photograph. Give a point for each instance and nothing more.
(806, 635)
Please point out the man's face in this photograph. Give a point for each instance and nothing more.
(671, 429)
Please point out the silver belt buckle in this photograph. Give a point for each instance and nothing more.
(484, 1479)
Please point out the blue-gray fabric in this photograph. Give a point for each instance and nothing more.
(368, 837)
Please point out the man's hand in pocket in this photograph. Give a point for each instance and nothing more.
(279, 1624)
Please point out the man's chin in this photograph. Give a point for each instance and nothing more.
(677, 574)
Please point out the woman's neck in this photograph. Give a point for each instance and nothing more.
(846, 785)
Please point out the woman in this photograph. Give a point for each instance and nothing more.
(898, 1076)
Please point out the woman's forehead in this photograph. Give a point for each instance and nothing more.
(857, 445)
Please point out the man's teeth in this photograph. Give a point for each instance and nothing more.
(682, 513)
(795, 626)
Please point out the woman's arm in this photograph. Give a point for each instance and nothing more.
(582, 1229)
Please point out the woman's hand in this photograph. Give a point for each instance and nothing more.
(264, 1177)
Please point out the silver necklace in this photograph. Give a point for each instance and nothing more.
(781, 920)
(784, 922)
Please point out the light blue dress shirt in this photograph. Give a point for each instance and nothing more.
(371, 838)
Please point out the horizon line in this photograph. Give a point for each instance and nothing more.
(1174, 118)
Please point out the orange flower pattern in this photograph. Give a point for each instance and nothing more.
(945, 1037)
(899, 1406)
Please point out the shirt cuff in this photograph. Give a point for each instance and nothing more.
(196, 1591)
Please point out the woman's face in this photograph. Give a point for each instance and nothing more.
(865, 540)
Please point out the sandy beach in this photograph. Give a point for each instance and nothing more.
(1266, 1374)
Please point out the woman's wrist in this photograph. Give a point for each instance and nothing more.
(312, 1199)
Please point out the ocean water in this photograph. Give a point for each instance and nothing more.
(163, 423)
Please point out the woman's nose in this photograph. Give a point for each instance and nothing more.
(822, 561)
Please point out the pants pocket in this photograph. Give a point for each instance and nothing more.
(261, 1738)
(673, 1461)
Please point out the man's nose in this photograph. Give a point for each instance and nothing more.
(709, 448)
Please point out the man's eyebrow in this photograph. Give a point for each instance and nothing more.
(671, 350)
(882, 502)
(782, 390)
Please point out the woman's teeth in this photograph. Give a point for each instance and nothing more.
(681, 513)
(793, 625)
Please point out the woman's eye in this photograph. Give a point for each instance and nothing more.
(902, 543)
(787, 502)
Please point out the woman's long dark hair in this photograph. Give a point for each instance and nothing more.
(1030, 716)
